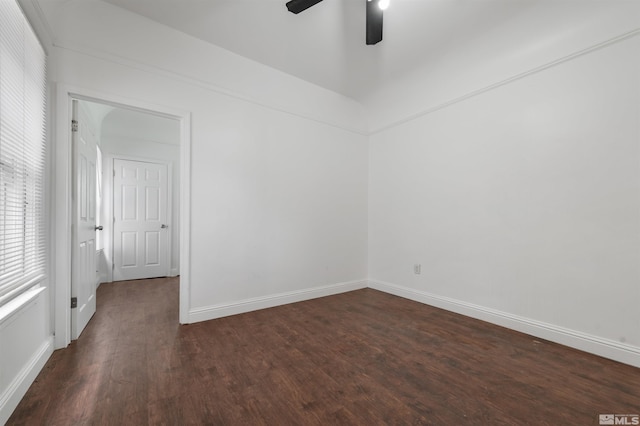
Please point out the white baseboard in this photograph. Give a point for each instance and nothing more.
(11, 397)
(253, 304)
(606, 348)
(174, 272)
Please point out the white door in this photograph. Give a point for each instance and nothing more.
(140, 228)
(83, 256)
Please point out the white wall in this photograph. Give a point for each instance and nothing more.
(136, 140)
(100, 30)
(278, 167)
(26, 343)
(521, 203)
(546, 31)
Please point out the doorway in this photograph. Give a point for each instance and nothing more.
(62, 220)
(132, 221)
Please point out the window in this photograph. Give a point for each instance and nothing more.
(22, 154)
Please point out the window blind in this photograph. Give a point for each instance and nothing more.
(22, 153)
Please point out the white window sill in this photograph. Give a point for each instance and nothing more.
(17, 304)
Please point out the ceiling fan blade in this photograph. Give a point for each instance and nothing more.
(297, 6)
(374, 22)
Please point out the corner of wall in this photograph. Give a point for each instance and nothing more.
(270, 301)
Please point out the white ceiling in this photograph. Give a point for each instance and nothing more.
(325, 44)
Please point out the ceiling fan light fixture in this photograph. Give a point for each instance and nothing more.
(374, 13)
(374, 22)
(297, 6)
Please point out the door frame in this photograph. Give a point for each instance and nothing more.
(110, 202)
(62, 203)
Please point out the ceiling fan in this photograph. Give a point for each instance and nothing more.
(375, 10)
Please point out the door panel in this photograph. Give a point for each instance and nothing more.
(91, 190)
(129, 202)
(152, 250)
(152, 206)
(129, 249)
(141, 236)
(84, 275)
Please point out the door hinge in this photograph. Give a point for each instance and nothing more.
(74, 125)
(74, 302)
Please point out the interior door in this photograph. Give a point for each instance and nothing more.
(140, 228)
(83, 256)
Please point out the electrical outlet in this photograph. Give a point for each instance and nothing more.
(417, 268)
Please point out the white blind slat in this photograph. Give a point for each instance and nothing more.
(22, 153)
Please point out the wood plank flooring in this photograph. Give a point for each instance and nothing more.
(360, 358)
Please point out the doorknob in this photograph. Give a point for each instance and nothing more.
(99, 228)
(164, 226)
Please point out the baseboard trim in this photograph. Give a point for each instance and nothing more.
(174, 272)
(11, 397)
(256, 303)
(606, 348)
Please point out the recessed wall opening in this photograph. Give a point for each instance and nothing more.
(152, 143)
(126, 174)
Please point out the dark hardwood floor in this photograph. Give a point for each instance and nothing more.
(362, 358)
